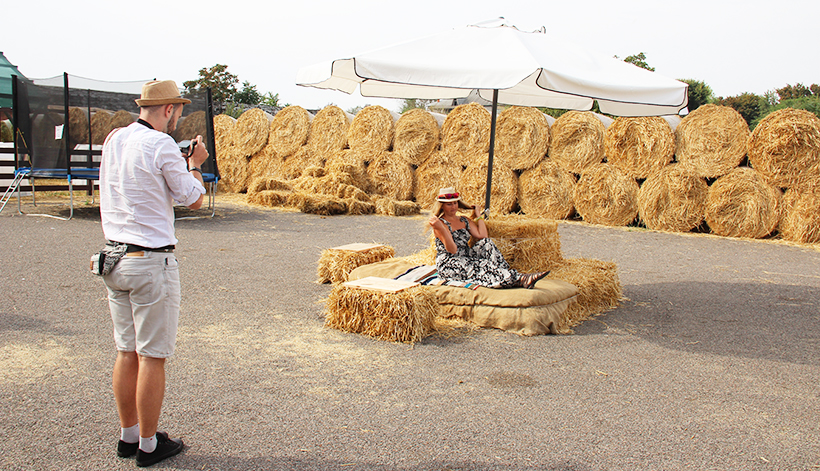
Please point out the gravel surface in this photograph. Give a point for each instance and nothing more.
(712, 361)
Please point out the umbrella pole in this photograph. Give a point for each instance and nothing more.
(490, 158)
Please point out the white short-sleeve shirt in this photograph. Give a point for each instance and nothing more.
(142, 175)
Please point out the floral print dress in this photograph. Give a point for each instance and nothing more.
(481, 264)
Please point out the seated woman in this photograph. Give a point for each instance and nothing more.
(481, 264)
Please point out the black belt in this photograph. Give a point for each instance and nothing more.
(130, 248)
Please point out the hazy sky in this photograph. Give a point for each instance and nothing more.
(733, 46)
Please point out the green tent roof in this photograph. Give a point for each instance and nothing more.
(6, 71)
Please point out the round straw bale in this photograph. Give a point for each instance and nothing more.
(785, 147)
(577, 141)
(372, 129)
(195, 124)
(742, 204)
(351, 162)
(639, 146)
(522, 137)
(265, 163)
(78, 125)
(222, 129)
(800, 221)
(289, 130)
(6, 131)
(606, 195)
(712, 139)
(673, 199)
(250, 132)
(546, 191)
(328, 131)
(390, 176)
(466, 131)
(293, 166)
(504, 187)
(122, 118)
(100, 126)
(439, 171)
(416, 136)
(234, 170)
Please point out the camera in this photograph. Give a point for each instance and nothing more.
(186, 147)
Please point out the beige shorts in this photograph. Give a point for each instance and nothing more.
(143, 296)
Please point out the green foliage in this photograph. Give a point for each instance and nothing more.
(554, 112)
(271, 99)
(248, 95)
(356, 109)
(231, 109)
(639, 60)
(749, 105)
(413, 103)
(797, 91)
(699, 93)
(221, 82)
(808, 103)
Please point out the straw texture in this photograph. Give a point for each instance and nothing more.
(522, 137)
(289, 130)
(577, 141)
(639, 146)
(605, 195)
(250, 132)
(743, 204)
(416, 136)
(390, 176)
(599, 287)
(503, 191)
(785, 147)
(712, 140)
(441, 170)
(372, 129)
(466, 132)
(800, 220)
(546, 191)
(335, 265)
(673, 199)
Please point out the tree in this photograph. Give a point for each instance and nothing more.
(248, 95)
(795, 91)
(699, 94)
(221, 82)
(749, 105)
(271, 99)
(639, 60)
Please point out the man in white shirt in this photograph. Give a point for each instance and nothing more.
(142, 175)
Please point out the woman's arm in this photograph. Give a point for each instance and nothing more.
(478, 229)
(443, 234)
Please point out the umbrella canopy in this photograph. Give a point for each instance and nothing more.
(504, 65)
(6, 71)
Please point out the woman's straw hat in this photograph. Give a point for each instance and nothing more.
(163, 92)
(446, 195)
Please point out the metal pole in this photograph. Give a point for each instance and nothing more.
(490, 158)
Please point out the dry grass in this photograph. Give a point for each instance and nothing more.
(391, 207)
(528, 244)
(100, 126)
(546, 191)
(577, 141)
(78, 125)
(328, 131)
(785, 147)
(639, 146)
(234, 169)
(673, 199)
(503, 189)
(712, 139)
(743, 204)
(405, 316)
(605, 195)
(193, 125)
(122, 118)
(522, 137)
(416, 136)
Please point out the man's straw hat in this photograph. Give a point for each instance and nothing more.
(163, 92)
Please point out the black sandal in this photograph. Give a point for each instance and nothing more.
(529, 280)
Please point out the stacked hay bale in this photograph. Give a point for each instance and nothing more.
(800, 218)
(335, 264)
(712, 140)
(100, 126)
(249, 136)
(440, 170)
(465, 134)
(503, 190)
(122, 118)
(639, 146)
(285, 155)
(390, 176)
(77, 125)
(328, 132)
(372, 130)
(522, 137)
(673, 199)
(547, 191)
(743, 204)
(577, 141)
(785, 147)
(191, 126)
(606, 195)
(416, 136)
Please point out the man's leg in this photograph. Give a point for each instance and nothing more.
(126, 370)
(150, 391)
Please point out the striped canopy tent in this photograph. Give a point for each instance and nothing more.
(504, 65)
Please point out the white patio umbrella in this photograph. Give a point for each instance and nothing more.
(504, 65)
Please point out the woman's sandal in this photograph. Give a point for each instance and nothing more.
(529, 280)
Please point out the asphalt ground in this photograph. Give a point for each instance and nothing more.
(712, 361)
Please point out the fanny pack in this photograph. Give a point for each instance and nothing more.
(104, 261)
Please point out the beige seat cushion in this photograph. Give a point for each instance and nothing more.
(523, 311)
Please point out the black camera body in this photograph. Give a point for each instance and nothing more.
(186, 147)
